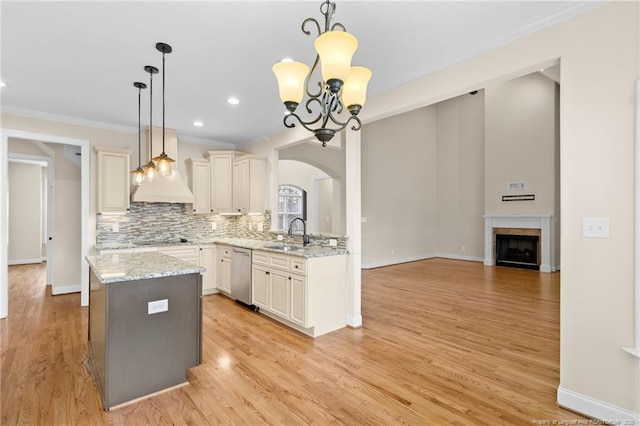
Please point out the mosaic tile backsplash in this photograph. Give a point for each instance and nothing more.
(177, 221)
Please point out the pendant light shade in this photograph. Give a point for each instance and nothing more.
(137, 176)
(336, 48)
(163, 160)
(291, 76)
(354, 91)
(150, 167)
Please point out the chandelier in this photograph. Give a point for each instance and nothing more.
(340, 84)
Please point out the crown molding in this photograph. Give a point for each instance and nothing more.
(66, 119)
(576, 9)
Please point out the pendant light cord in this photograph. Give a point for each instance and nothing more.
(163, 73)
(139, 129)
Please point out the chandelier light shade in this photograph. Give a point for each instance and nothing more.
(335, 48)
(339, 83)
(150, 167)
(291, 77)
(137, 176)
(354, 91)
(163, 160)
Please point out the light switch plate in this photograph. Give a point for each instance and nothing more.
(333, 242)
(259, 227)
(280, 237)
(595, 227)
(115, 227)
(158, 306)
(214, 226)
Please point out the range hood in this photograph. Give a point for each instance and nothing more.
(164, 189)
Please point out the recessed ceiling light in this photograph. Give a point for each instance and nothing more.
(2, 83)
(542, 70)
(198, 123)
(233, 101)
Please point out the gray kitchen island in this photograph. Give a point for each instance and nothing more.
(145, 324)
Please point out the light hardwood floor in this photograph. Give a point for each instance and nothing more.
(443, 342)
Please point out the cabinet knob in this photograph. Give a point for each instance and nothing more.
(268, 273)
(289, 278)
(296, 266)
(194, 210)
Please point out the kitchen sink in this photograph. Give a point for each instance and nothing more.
(285, 247)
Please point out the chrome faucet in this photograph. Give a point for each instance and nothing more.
(305, 237)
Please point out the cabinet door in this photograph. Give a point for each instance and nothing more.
(240, 186)
(208, 261)
(201, 186)
(260, 287)
(221, 183)
(279, 294)
(298, 300)
(225, 267)
(113, 181)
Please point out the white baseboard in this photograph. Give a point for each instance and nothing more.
(459, 257)
(591, 407)
(208, 291)
(65, 290)
(354, 321)
(24, 261)
(395, 261)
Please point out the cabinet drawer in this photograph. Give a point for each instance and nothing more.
(279, 262)
(298, 265)
(260, 258)
(225, 252)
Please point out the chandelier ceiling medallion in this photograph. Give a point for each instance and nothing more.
(340, 84)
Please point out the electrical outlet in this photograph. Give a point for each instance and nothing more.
(214, 226)
(115, 227)
(333, 242)
(260, 227)
(280, 237)
(157, 306)
(250, 226)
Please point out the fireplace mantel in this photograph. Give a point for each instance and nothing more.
(541, 222)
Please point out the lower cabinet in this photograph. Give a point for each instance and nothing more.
(208, 260)
(223, 273)
(308, 294)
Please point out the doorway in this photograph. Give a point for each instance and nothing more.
(84, 146)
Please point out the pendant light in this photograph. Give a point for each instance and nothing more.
(163, 160)
(150, 167)
(138, 174)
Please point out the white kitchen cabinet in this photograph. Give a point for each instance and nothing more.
(221, 188)
(188, 253)
(208, 261)
(112, 179)
(223, 273)
(249, 178)
(200, 184)
(308, 294)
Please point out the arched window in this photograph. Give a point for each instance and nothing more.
(292, 203)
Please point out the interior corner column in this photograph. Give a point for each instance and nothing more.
(272, 187)
(353, 226)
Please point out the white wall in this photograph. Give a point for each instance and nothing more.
(324, 204)
(399, 188)
(302, 175)
(25, 213)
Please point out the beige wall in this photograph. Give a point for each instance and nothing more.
(324, 203)
(520, 144)
(599, 55)
(460, 176)
(399, 188)
(25, 213)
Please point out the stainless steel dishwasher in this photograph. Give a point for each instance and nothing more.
(241, 277)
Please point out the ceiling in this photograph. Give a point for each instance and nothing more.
(77, 61)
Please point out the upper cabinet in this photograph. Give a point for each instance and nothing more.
(112, 179)
(221, 181)
(200, 184)
(249, 176)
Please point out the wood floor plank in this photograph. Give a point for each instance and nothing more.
(443, 342)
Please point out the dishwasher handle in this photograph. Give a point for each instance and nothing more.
(242, 251)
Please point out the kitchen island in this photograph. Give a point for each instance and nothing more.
(144, 324)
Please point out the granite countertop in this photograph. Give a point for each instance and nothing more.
(111, 268)
(266, 245)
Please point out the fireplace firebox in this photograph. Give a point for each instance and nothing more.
(518, 251)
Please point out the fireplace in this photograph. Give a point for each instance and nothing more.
(524, 226)
(517, 251)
